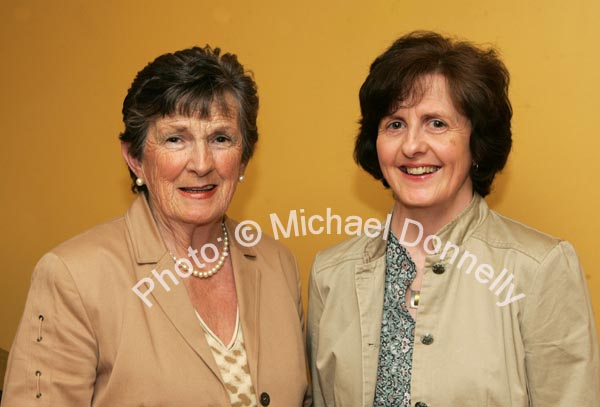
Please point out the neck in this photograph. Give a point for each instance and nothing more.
(180, 236)
(414, 224)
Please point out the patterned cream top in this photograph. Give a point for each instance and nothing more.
(233, 364)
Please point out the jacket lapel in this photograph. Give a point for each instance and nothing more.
(369, 281)
(247, 284)
(149, 249)
(179, 310)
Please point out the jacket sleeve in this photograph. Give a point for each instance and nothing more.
(53, 357)
(559, 334)
(315, 309)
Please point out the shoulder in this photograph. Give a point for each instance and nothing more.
(82, 268)
(504, 233)
(110, 236)
(252, 242)
(345, 254)
(250, 235)
(268, 244)
(262, 252)
(100, 256)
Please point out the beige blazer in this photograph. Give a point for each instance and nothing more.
(504, 320)
(86, 339)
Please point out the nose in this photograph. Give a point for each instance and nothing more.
(201, 160)
(413, 143)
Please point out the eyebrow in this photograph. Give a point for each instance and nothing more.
(178, 127)
(437, 113)
(428, 115)
(172, 127)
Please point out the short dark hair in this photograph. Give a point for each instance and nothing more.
(478, 84)
(188, 82)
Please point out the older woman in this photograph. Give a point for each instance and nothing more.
(163, 307)
(457, 305)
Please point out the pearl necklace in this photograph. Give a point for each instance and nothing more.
(220, 262)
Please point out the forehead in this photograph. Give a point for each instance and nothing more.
(430, 89)
(205, 106)
(219, 111)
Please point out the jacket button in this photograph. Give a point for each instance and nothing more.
(427, 339)
(265, 400)
(420, 404)
(438, 268)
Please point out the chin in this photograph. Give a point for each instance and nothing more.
(417, 204)
(416, 201)
(200, 219)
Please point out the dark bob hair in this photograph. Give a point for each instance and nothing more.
(188, 82)
(478, 84)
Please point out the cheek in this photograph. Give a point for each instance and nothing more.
(386, 154)
(463, 160)
(456, 150)
(465, 152)
(162, 166)
(229, 164)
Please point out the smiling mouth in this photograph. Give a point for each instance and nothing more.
(193, 190)
(419, 170)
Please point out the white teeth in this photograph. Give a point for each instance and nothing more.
(420, 170)
(208, 188)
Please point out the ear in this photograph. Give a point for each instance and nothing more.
(133, 163)
(243, 168)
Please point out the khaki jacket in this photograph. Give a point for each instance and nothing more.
(100, 345)
(504, 320)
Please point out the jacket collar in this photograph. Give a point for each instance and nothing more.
(148, 245)
(455, 231)
(462, 226)
(149, 249)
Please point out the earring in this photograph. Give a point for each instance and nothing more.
(241, 178)
(139, 182)
(475, 165)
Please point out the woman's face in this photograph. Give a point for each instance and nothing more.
(191, 166)
(424, 154)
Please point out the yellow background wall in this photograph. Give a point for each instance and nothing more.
(66, 65)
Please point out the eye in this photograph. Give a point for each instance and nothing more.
(437, 124)
(173, 139)
(221, 138)
(395, 125)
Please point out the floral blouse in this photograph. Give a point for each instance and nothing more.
(397, 330)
